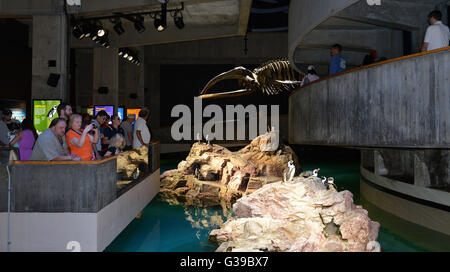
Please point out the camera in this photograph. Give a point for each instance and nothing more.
(92, 132)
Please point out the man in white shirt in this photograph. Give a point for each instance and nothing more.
(141, 133)
(438, 34)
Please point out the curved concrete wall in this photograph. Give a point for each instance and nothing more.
(399, 103)
(305, 15)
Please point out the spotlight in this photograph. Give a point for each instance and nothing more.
(78, 33)
(120, 52)
(160, 22)
(178, 20)
(101, 32)
(103, 41)
(86, 28)
(139, 24)
(97, 30)
(118, 28)
(130, 58)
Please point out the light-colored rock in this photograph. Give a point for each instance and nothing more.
(236, 173)
(129, 161)
(299, 216)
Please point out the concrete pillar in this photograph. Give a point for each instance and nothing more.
(50, 51)
(83, 77)
(131, 80)
(106, 74)
(152, 93)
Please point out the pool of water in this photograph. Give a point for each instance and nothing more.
(167, 228)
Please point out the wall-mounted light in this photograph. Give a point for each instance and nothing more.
(178, 19)
(118, 28)
(92, 27)
(139, 23)
(129, 55)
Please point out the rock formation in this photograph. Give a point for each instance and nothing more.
(132, 164)
(299, 216)
(212, 174)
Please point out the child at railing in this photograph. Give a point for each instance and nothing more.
(117, 144)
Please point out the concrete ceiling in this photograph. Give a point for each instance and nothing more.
(204, 19)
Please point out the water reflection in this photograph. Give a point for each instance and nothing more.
(203, 220)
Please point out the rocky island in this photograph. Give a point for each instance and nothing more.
(299, 216)
(213, 175)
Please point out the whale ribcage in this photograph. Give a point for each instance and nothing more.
(277, 76)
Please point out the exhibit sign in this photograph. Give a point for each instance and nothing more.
(109, 110)
(44, 111)
(120, 111)
(18, 114)
(134, 111)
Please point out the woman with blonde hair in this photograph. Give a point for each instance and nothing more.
(78, 140)
(117, 144)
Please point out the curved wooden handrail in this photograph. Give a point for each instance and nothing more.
(96, 162)
(63, 162)
(374, 65)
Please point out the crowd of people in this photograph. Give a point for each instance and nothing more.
(437, 36)
(77, 137)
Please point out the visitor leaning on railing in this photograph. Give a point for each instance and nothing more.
(110, 131)
(100, 119)
(25, 138)
(127, 126)
(49, 145)
(116, 145)
(310, 76)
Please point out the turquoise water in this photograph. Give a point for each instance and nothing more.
(166, 228)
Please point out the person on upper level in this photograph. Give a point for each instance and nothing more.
(310, 76)
(338, 63)
(438, 34)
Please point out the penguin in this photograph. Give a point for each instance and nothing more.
(308, 174)
(197, 173)
(198, 137)
(136, 173)
(52, 112)
(316, 172)
(289, 172)
(330, 181)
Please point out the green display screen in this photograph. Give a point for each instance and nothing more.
(44, 111)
